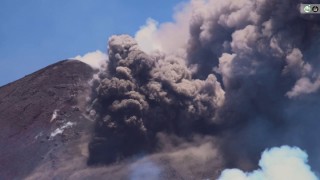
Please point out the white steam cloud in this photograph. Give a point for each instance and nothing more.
(96, 59)
(154, 36)
(146, 37)
(284, 163)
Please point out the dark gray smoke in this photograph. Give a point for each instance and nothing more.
(246, 80)
(264, 52)
(143, 95)
(249, 75)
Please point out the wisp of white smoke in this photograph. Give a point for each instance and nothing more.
(96, 59)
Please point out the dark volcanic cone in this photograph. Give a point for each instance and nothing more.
(41, 115)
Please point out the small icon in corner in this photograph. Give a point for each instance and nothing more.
(307, 8)
(315, 9)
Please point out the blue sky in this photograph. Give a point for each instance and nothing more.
(36, 33)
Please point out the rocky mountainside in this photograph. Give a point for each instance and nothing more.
(42, 115)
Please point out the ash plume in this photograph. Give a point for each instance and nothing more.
(247, 73)
(212, 90)
(143, 95)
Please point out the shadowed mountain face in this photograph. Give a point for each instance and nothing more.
(35, 110)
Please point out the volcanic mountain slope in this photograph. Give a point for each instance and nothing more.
(41, 114)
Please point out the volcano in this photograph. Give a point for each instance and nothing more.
(236, 96)
(40, 117)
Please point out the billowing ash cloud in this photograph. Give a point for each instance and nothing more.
(143, 95)
(210, 91)
(276, 163)
(244, 72)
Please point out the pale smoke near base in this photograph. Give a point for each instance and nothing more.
(276, 164)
